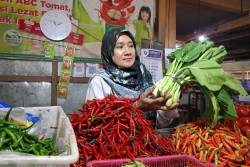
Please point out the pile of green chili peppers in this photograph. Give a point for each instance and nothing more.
(14, 138)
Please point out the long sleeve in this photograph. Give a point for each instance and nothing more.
(165, 118)
(97, 89)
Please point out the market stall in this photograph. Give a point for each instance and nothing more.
(52, 114)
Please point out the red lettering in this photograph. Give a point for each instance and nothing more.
(70, 16)
(66, 8)
(8, 1)
(33, 3)
(13, 10)
(5, 20)
(43, 2)
(20, 11)
(4, 9)
(43, 12)
(27, 2)
(16, 20)
(19, 2)
(8, 20)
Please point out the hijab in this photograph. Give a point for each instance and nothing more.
(130, 82)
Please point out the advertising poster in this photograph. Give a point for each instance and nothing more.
(152, 59)
(89, 18)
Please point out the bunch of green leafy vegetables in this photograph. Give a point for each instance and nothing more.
(200, 63)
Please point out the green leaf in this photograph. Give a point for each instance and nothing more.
(209, 113)
(194, 53)
(235, 85)
(180, 54)
(208, 73)
(171, 56)
(225, 102)
(219, 54)
(206, 55)
(213, 109)
(169, 66)
(207, 44)
(177, 54)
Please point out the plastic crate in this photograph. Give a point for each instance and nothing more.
(162, 161)
(65, 133)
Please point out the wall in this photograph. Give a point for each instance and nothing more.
(33, 94)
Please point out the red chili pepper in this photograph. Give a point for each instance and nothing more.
(43, 136)
(85, 147)
(229, 149)
(183, 140)
(194, 148)
(204, 140)
(211, 156)
(231, 143)
(231, 164)
(222, 159)
(124, 126)
(243, 152)
(205, 131)
(222, 164)
(190, 150)
(213, 141)
(224, 152)
(102, 147)
(118, 131)
(129, 153)
(229, 131)
(111, 122)
(86, 156)
(146, 138)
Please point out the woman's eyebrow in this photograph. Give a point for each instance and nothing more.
(123, 42)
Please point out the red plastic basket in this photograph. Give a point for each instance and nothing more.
(162, 161)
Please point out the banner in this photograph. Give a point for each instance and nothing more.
(91, 18)
(152, 59)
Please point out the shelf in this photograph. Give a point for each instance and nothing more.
(240, 75)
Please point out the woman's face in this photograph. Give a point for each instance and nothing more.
(124, 52)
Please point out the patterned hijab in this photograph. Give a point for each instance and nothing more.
(129, 82)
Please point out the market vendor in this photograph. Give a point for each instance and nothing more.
(125, 76)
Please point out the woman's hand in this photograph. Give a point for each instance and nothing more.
(149, 104)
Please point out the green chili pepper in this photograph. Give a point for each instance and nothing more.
(216, 159)
(2, 137)
(10, 133)
(7, 115)
(35, 151)
(6, 140)
(16, 143)
(27, 140)
(41, 152)
(7, 123)
(23, 150)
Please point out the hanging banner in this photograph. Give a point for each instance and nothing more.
(21, 34)
(66, 71)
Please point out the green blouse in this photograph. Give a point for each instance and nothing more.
(141, 31)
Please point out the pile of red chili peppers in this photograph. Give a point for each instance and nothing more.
(113, 128)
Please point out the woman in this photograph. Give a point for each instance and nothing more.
(125, 76)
